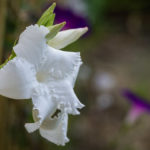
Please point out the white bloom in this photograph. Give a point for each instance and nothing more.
(46, 75)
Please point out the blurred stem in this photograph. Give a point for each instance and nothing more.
(3, 8)
(3, 103)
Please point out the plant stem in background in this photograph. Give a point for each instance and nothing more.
(3, 103)
(3, 8)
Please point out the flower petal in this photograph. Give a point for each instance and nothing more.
(43, 107)
(31, 127)
(74, 74)
(17, 79)
(63, 94)
(55, 130)
(32, 43)
(60, 64)
(66, 37)
(134, 113)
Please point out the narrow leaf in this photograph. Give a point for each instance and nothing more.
(48, 16)
(54, 30)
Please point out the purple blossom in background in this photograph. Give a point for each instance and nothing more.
(138, 108)
(73, 20)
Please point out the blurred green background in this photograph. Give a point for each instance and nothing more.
(116, 55)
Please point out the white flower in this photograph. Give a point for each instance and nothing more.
(46, 75)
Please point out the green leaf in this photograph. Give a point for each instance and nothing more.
(47, 19)
(54, 30)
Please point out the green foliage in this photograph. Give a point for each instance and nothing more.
(96, 9)
(54, 30)
(99, 9)
(142, 89)
(47, 19)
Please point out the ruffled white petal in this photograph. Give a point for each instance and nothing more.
(60, 64)
(73, 76)
(17, 79)
(62, 92)
(32, 43)
(66, 37)
(43, 106)
(55, 130)
(31, 127)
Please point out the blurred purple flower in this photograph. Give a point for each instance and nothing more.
(73, 20)
(138, 108)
